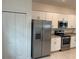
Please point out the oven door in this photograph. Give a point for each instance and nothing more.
(66, 40)
(65, 43)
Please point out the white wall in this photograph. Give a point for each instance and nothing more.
(16, 29)
(51, 8)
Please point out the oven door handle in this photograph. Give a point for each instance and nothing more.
(66, 37)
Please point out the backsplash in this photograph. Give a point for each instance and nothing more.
(71, 30)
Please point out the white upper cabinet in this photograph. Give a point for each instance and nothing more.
(55, 20)
(49, 16)
(35, 15)
(43, 15)
(61, 16)
(16, 5)
(71, 21)
(54, 17)
(70, 18)
(38, 15)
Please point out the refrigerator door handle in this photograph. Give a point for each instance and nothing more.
(38, 36)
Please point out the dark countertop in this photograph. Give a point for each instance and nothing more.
(55, 36)
(63, 29)
(71, 34)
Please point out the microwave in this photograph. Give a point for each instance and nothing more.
(62, 24)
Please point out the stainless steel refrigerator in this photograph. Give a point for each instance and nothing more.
(41, 38)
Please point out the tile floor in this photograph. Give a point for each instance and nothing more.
(68, 54)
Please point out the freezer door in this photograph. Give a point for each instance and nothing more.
(36, 38)
(46, 42)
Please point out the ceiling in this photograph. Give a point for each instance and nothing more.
(61, 3)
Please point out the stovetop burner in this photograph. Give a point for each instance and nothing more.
(61, 33)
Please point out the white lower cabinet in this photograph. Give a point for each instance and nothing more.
(73, 42)
(55, 44)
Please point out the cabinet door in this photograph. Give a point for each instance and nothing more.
(43, 15)
(38, 15)
(73, 42)
(61, 16)
(16, 5)
(52, 45)
(8, 36)
(35, 15)
(21, 41)
(57, 44)
(55, 20)
(74, 21)
(49, 16)
(71, 21)
(14, 36)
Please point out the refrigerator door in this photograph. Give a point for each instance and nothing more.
(36, 38)
(46, 42)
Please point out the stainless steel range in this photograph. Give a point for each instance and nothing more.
(65, 39)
